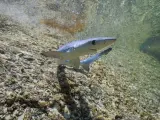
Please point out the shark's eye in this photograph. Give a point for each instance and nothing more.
(93, 42)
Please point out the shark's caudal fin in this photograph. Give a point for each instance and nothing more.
(55, 54)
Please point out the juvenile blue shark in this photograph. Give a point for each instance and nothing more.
(73, 50)
(86, 62)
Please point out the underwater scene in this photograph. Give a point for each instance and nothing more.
(79, 59)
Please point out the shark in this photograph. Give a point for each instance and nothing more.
(73, 50)
(85, 64)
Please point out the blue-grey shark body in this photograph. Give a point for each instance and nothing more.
(73, 50)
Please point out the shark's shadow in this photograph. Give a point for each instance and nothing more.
(78, 112)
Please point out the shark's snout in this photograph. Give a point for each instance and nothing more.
(109, 41)
(112, 39)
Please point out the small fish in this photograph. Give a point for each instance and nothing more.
(86, 62)
(73, 50)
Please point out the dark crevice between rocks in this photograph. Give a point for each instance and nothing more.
(2, 51)
(118, 117)
(82, 111)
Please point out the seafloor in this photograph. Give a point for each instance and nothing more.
(34, 87)
(124, 85)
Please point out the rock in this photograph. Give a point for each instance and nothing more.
(29, 58)
(146, 116)
(10, 98)
(11, 81)
(110, 90)
(5, 110)
(118, 117)
(100, 117)
(20, 54)
(43, 103)
(22, 70)
(41, 83)
(26, 115)
(71, 95)
(57, 106)
(8, 117)
(15, 113)
(2, 51)
(54, 114)
(66, 112)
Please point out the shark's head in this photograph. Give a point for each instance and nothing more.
(100, 43)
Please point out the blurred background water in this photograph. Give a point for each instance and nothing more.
(133, 22)
(136, 24)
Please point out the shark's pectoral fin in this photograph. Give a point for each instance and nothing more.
(85, 67)
(75, 62)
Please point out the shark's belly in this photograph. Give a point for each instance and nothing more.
(81, 52)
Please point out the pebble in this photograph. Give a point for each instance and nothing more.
(100, 117)
(2, 52)
(66, 112)
(8, 117)
(15, 113)
(29, 58)
(43, 103)
(5, 110)
(118, 117)
(54, 114)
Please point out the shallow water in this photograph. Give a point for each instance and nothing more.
(131, 21)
